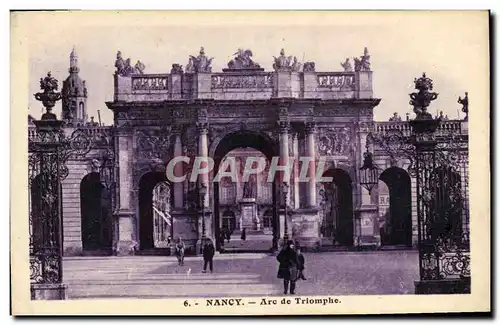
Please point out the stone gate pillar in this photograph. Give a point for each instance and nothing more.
(178, 172)
(124, 215)
(367, 232)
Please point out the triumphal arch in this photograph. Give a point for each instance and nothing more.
(117, 197)
(289, 112)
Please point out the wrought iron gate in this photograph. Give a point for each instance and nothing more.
(162, 220)
(48, 151)
(437, 153)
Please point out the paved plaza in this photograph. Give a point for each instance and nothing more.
(328, 273)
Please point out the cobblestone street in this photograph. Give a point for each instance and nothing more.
(329, 273)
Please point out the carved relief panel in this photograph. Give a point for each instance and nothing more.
(335, 141)
(141, 118)
(153, 144)
(221, 81)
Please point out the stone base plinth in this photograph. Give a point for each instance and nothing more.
(198, 248)
(308, 244)
(367, 232)
(447, 286)
(124, 244)
(55, 291)
(126, 247)
(191, 246)
(187, 225)
(73, 250)
(304, 228)
(249, 219)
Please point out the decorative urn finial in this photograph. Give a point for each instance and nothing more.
(423, 123)
(49, 96)
(421, 100)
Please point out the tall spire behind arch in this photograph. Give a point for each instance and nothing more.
(73, 62)
(74, 94)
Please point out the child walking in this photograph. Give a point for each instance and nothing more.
(179, 251)
(301, 265)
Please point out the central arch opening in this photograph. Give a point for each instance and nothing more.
(245, 213)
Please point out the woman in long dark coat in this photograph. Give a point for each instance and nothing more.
(288, 267)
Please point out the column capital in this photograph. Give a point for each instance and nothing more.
(123, 131)
(365, 127)
(202, 127)
(202, 113)
(310, 127)
(283, 127)
(177, 130)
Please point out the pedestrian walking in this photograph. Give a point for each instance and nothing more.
(208, 255)
(222, 237)
(179, 251)
(244, 234)
(288, 266)
(302, 264)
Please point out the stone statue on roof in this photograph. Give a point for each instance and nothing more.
(201, 63)
(243, 60)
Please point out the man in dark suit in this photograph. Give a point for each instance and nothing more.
(208, 255)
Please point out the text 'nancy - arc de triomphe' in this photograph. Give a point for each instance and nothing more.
(292, 111)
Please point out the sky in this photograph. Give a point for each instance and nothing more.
(451, 47)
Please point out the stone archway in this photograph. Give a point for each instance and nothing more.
(396, 227)
(338, 219)
(95, 205)
(149, 184)
(237, 140)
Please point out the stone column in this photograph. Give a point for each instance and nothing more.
(178, 171)
(203, 180)
(284, 127)
(124, 223)
(306, 220)
(296, 184)
(311, 152)
(203, 152)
